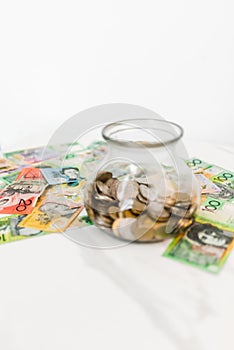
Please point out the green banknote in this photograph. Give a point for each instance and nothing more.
(217, 212)
(11, 232)
(212, 170)
(225, 177)
(2, 184)
(217, 203)
(10, 177)
(202, 245)
(197, 165)
(207, 243)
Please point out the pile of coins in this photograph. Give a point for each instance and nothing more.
(135, 210)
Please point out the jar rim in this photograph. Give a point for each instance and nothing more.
(109, 131)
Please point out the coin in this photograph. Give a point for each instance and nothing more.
(144, 191)
(149, 235)
(113, 185)
(156, 233)
(113, 212)
(128, 214)
(142, 225)
(183, 197)
(172, 224)
(179, 211)
(122, 228)
(139, 208)
(142, 180)
(168, 202)
(97, 194)
(141, 199)
(127, 189)
(102, 188)
(102, 220)
(184, 223)
(126, 204)
(90, 213)
(156, 210)
(104, 176)
(160, 231)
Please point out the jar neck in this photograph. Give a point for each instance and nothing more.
(152, 133)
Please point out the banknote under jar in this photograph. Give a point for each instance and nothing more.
(142, 190)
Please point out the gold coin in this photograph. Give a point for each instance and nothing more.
(128, 214)
(142, 225)
(147, 236)
(183, 197)
(90, 213)
(155, 233)
(160, 231)
(169, 202)
(113, 212)
(122, 228)
(184, 223)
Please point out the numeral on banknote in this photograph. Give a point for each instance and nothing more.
(23, 204)
(224, 177)
(213, 205)
(194, 162)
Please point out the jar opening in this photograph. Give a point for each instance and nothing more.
(142, 132)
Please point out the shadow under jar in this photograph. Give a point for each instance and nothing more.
(142, 190)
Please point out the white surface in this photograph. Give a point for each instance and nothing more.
(60, 57)
(58, 295)
(57, 58)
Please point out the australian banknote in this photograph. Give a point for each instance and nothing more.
(202, 245)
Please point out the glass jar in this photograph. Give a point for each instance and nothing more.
(142, 190)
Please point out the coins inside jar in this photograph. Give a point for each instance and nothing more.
(136, 210)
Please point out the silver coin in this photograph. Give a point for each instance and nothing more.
(142, 181)
(141, 199)
(127, 189)
(138, 207)
(103, 221)
(172, 224)
(99, 195)
(113, 185)
(103, 176)
(156, 211)
(103, 188)
(144, 191)
(126, 204)
(181, 212)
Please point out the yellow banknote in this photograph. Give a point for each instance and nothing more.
(51, 216)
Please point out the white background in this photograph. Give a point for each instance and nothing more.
(60, 57)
